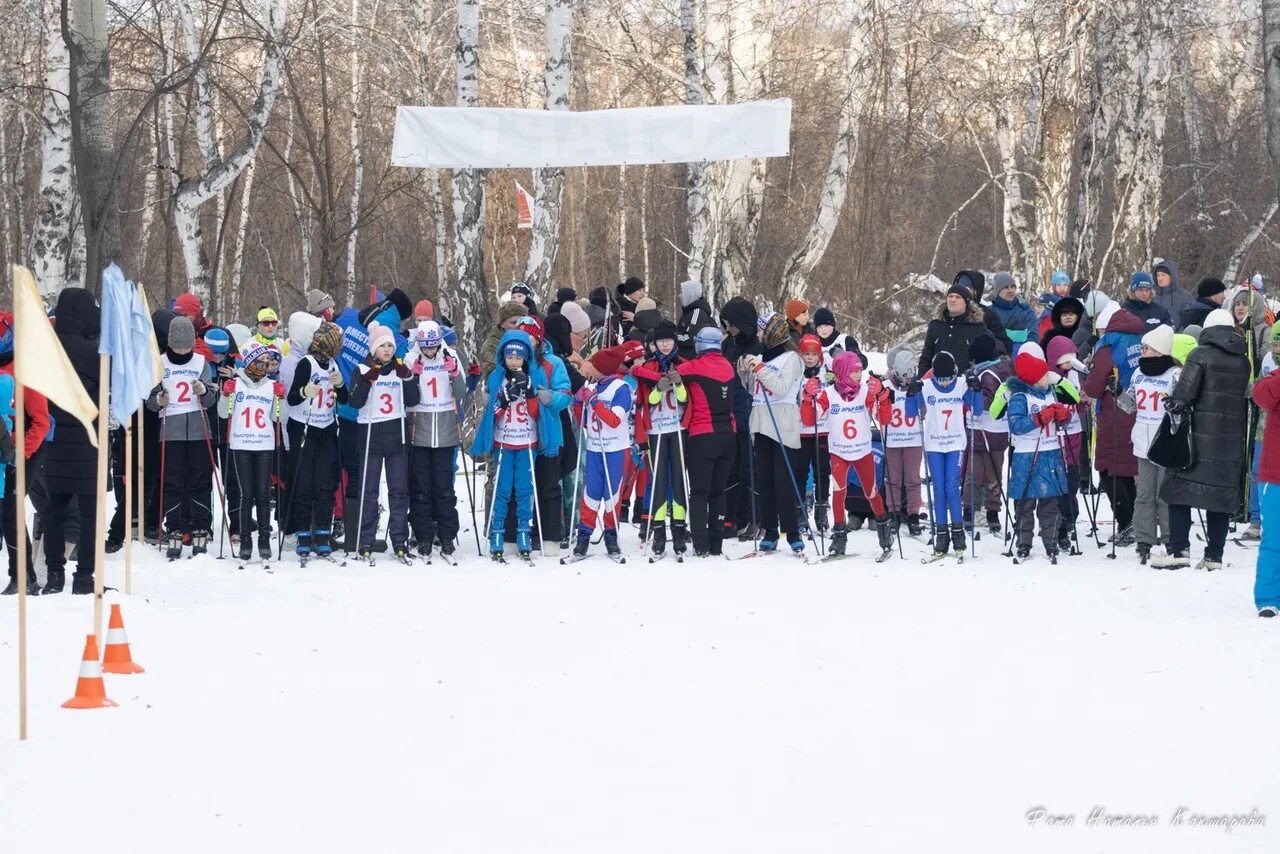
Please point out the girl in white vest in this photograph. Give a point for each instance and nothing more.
(315, 389)
(1155, 378)
(385, 390)
(435, 434)
(814, 454)
(250, 402)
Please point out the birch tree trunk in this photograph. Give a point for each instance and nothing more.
(548, 184)
(1088, 187)
(215, 176)
(85, 32)
(237, 261)
(432, 176)
(52, 258)
(357, 158)
(835, 185)
(468, 297)
(697, 175)
(301, 212)
(1271, 94)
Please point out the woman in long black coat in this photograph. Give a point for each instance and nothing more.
(1211, 391)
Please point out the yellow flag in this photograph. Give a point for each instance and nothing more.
(157, 367)
(39, 362)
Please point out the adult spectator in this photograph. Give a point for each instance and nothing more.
(1141, 302)
(1169, 290)
(1016, 315)
(695, 314)
(36, 423)
(959, 321)
(1210, 294)
(976, 283)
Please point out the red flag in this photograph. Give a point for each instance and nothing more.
(524, 207)
(373, 294)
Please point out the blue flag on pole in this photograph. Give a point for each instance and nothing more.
(124, 337)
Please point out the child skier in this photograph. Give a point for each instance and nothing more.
(942, 401)
(316, 389)
(848, 406)
(814, 454)
(436, 433)
(662, 412)
(1266, 395)
(1152, 382)
(985, 462)
(385, 390)
(607, 432)
(251, 404)
(903, 451)
(181, 398)
(1038, 474)
(1061, 354)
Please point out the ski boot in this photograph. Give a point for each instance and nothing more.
(914, 528)
(199, 543)
(1123, 538)
(1144, 552)
(749, 533)
(1064, 541)
(1253, 532)
(644, 527)
(624, 511)
(957, 539)
(114, 546)
(820, 517)
(303, 546)
(496, 544)
(679, 537)
(884, 536)
(637, 515)
(839, 539)
(246, 550)
(1268, 611)
(524, 544)
(81, 583)
(993, 521)
(401, 551)
(1210, 563)
(1051, 550)
(611, 546)
(797, 544)
(582, 542)
(425, 543)
(659, 544)
(941, 542)
(1173, 560)
(173, 545)
(33, 586)
(338, 529)
(54, 582)
(322, 543)
(1023, 552)
(769, 542)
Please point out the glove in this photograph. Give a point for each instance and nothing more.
(584, 394)
(162, 399)
(885, 395)
(544, 396)
(199, 388)
(1062, 413)
(521, 384)
(277, 388)
(417, 368)
(229, 388)
(402, 370)
(506, 395)
(674, 376)
(874, 386)
(916, 387)
(335, 377)
(1113, 383)
(812, 387)
(226, 371)
(664, 384)
(310, 390)
(368, 374)
(605, 414)
(451, 366)
(1044, 417)
(637, 458)
(975, 384)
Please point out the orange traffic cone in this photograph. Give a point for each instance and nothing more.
(91, 693)
(116, 657)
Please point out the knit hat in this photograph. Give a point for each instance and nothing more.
(690, 292)
(182, 335)
(318, 301)
(665, 331)
(564, 295)
(607, 361)
(944, 364)
(1030, 366)
(708, 338)
(239, 334)
(327, 340)
(532, 327)
(982, 348)
(521, 289)
(1001, 281)
(1209, 287)
(301, 327)
(188, 305)
(903, 362)
(1061, 347)
(255, 352)
(1104, 318)
(632, 350)
(266, 313)
(1219, 317)
(510, 309)
(810, 344)
(1275, 333)
(1060, 277)
(795, 308)
(630, 286)
(823, 317)
(1080, 288)
(1193, 331)
(1160, 339)
(578, 320)
(775, 332)
(379, 335)
(1141, 279)
(646, 304)
(424, 308)
(961, 291)
(428, 334)
(218, 341)
(401, 301)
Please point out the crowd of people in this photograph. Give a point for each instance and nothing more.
(696, 425)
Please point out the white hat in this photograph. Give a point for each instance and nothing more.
(578, 320)
(1219, 317)
(302, 328)
(1107, 313)
(1160, 339)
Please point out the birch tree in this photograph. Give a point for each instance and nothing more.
(468, 295)
(548, 184)
(357, 157)
(1271, 78)
(432, 176)
(217, 173)
(698, 176)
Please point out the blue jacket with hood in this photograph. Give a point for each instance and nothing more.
(549, 434)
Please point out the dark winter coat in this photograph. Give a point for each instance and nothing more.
(954, 335)
(696, 315)
(1056, 328)
(387, 436)
(1174, 299)
(70, 460)
(1018, 318)
(1195, 313)
(742, 315)
(977, 283)
(1152, 314)
(1114, 452)
(1213, 386)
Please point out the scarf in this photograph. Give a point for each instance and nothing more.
(844, 367)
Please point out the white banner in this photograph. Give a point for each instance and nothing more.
(497, 137)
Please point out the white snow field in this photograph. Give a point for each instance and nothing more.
(756, 705)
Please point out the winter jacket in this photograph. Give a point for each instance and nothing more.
(549, 434)
(355, 346)
(439, 429)
(696, 315)
(992, 375)
(189, 426)
(1034, 474)
(742, 315)
(977, 283)
(297, 384)
(36, 422)
(954, 335)
(70, 459)
(707, 380)
(1213, 387)
(1266, 395)
(1118, 349)
(385, 437)
(1152, 314)
(1195, 313)
(781, 377)
(1175, 299)
(1018, 319)
(1056, 327)
(1123, 341)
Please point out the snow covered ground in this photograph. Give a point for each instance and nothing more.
(754, 705)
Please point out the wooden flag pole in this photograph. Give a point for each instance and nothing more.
(20, 515)
(128, 507)
(142, 479)
(100, 507)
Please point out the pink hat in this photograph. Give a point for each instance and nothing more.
(1061, 346)
(378, 335)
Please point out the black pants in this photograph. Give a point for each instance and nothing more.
(396, 464)
(773, 483)
(309, 477)
(1216, 524)
(711, 457)
(9, 513)
(667, 475)
(1029, 510)
(55, 532)
(116, 528)
(738, 492)
(433, 504)
(1068, 506)
(1122, 492)
(188, 486)
(253, 472)
(819, 462)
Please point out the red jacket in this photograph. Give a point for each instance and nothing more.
(1266, 394)
(710, 405)
(37, 420)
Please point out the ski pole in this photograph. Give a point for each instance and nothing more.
(364, 477)
(1075, 537)
(217, 478)
(655, 442)
(537, 511)
(291, 485)
(164, 445)
(471, 498)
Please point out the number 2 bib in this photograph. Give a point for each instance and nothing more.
(179, 382)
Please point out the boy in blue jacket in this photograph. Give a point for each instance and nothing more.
(1039, 473)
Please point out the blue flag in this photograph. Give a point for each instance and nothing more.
(124, 337)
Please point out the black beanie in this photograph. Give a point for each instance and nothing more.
(961, 291)
(824, 317)
(400, 300)
(1209, 288)
(600, 296)
(944, 365)
(981, 349)
(566, 295)
(1081, 287)
(630, 286)
(665, 329)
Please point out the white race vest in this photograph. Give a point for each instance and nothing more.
(514, 427)
(600, 436)
(944, 417)
(1149, 394)
(179, 382)
(823, 418)
(790, 396)
(437, 389)
(1075, 425)
(849, 425)
(386, 400)
(251, 428)
(901, 431)
(1043, 438)
(316, 411)
(664, 416)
